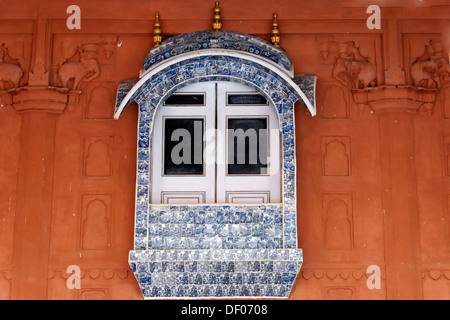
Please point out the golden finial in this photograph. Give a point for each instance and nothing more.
(217, 25)
(275, 32)
(157, 32)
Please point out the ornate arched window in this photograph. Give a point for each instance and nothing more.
(216, 167)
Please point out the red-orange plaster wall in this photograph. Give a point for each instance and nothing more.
(67, 170)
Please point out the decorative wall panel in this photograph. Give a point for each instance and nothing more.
(100, 98)
(340, 293)
(98, 156)
(95, 224)
(94, 294)
(333, 101)
(336, 156)
(338, 221)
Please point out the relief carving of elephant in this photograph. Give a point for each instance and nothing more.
(431, 68)
(427, 74)
(86, 69)
(359, 74)
(10, 74)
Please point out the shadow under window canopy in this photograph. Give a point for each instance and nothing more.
(216, 250)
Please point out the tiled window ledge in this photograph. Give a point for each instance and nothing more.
(225, 273)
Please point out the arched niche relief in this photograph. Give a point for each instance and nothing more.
(338, 224)
(336, 156)
(205, 249)
(100, 97)
(95, 222)
(340, 293)
(98, 158)
(94, 294)
(334, 103)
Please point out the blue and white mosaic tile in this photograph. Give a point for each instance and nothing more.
(307, 82)
(216, 273)
(202, 40)
(207, 251)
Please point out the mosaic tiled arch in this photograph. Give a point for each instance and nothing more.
(203, 40)
(195, 67)
(217, 250)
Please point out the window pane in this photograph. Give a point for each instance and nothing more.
(247, 146)
(186, 99)
(183, 146)
(246, 99)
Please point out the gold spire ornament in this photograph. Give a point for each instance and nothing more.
(157, 32)
(275, 32)
(217, 25)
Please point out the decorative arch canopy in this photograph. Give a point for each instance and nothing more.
(240, 58)
(216, 56)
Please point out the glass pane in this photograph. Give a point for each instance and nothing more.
(247, 146)
(183, 146)
(186, 99)
(246, 99)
